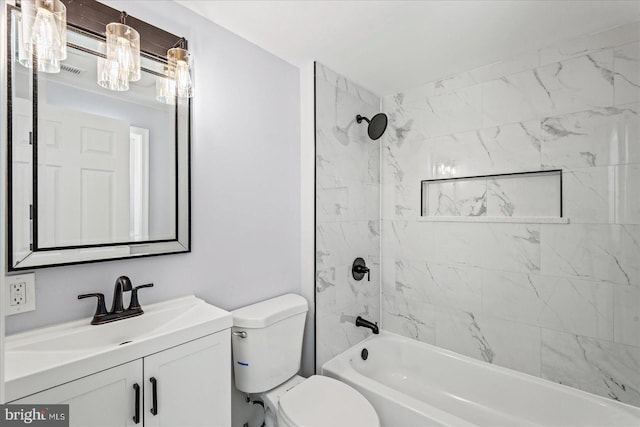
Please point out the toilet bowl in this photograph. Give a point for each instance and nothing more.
(267, 347)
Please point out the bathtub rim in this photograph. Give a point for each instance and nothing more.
(340, 367)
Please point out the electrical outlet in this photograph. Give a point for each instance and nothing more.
(17, 291)
(21, 293)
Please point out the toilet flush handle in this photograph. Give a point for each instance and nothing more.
(241, 334)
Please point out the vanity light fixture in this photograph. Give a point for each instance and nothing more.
(180, 67)
(121, 64)
(43, 35)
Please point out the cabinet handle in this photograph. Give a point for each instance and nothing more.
(136, 417)
(154, 394)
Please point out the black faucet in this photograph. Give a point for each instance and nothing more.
(366, 324)
(123, 284)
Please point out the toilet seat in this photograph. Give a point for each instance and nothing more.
(321, 401)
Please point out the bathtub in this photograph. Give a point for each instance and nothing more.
(410, 383)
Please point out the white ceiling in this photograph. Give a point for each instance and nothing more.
(388, 46)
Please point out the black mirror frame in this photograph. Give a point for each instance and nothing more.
(93, 14)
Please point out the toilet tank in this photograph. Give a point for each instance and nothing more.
(267, 342)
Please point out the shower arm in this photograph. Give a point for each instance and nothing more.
(359, 119)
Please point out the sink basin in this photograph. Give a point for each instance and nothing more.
(43, 358)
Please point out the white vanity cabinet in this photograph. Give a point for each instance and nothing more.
(179, 350)
(192, 384)
(187, 385)
(104, 399)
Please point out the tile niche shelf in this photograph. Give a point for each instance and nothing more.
(519, 197)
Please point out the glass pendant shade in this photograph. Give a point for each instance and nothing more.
(180, 66)
(122, 62)
(43, 34)
(111, 77)
(166, 88)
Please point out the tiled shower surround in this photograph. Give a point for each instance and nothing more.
(559, 301)
(347, 213)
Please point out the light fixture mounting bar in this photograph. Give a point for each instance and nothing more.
(92, 17)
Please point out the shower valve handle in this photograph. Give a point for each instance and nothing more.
(363, 270)
(359, 269)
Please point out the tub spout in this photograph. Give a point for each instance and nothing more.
(366, 324)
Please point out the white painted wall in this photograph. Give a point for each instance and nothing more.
(245, 185)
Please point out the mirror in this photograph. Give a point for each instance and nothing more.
(95, 174)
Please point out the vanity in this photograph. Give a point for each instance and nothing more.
(170, 366)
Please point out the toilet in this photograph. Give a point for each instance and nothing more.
(267, 347)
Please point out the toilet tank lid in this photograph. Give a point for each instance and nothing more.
(265, 313)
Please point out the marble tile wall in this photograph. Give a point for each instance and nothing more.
(347, 213)
(560, 301)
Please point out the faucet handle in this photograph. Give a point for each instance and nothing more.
(101, 309)
(135, 304)
(359, 269)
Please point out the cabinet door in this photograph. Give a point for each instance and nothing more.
(104, 399)
(191, 383)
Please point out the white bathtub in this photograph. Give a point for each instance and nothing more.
(415, 384)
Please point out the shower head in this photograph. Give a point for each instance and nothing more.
(377, 125)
